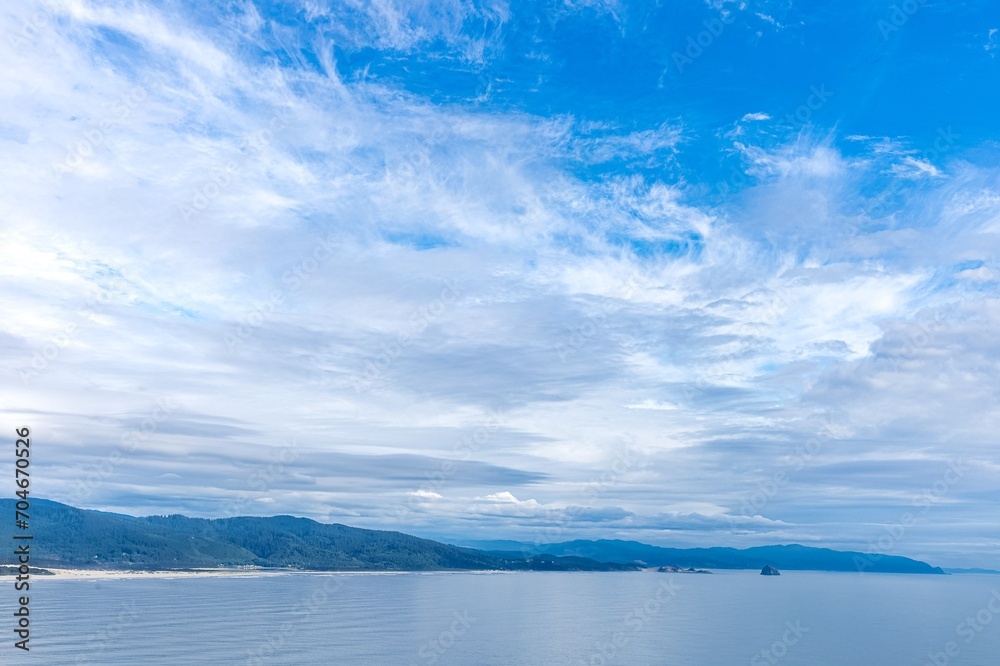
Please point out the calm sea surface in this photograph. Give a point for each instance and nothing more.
(514, 619)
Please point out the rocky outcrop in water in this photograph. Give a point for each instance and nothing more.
(769, 571)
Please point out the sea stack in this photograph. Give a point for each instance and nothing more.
(769, 571)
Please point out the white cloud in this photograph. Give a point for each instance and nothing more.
(503, 497)
(799, 159)
(981, 274)
(912, 167)
(652, 404)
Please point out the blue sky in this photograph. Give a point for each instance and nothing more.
(690, 273)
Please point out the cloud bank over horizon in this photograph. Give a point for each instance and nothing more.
(538, 271)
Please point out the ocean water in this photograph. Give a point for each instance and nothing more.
(517, 619)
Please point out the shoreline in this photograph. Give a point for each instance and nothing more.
(69, 573)
(103, 574)
(99, 574)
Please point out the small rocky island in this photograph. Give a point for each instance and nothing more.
(769, 571)
(672, 569)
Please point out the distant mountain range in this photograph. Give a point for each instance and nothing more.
(791, 557)
(65, 536)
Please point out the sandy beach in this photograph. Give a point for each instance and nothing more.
(95, 574)
(101, 574)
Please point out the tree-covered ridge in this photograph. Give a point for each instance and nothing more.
(791, 557)
(69, 537)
